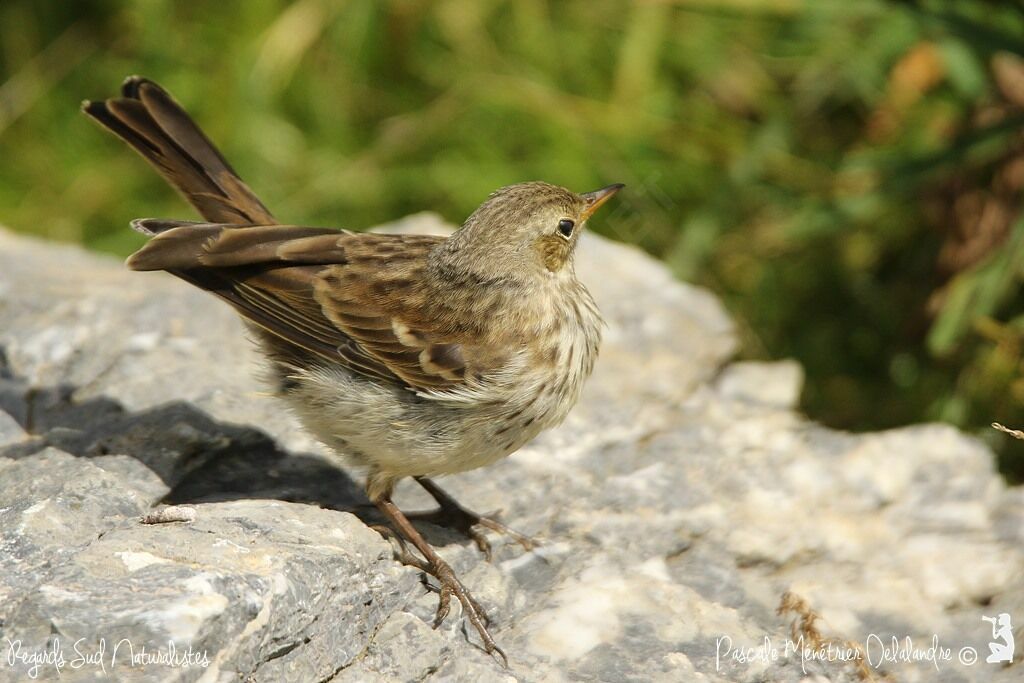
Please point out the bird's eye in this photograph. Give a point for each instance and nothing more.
(565, 227)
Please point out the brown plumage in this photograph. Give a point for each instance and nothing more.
(410, 355)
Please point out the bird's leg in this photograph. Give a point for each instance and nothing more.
(453, 516)
(402, 554)
(445, 575)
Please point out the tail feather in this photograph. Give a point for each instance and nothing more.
(148, 119)
(155, 226)
(178, 246)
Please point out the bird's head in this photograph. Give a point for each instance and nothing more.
(525, 229)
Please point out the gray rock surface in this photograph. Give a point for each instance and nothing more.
(678, 504)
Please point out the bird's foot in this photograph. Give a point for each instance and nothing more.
(448, 583)
(469, 524)
(451, 515)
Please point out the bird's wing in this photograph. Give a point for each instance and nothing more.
(353, 299)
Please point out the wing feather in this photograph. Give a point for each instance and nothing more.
(344, 297)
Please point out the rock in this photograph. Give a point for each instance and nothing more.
(279, 591)
(679, 503)
(54, 505)
(10, 430)
(772, 384)
(405, 648)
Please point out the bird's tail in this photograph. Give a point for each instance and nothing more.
(148, 119)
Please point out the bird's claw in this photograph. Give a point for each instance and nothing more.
(468, 523)
(451, 586)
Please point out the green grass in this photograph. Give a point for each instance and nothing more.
(844, 174)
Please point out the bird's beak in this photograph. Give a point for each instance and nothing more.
(598, 197)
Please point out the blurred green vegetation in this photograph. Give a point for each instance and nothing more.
(847, 175)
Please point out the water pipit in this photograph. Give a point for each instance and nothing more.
(409, 355)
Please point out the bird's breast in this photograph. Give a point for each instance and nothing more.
(563, 353)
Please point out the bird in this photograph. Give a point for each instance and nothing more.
(408, 355)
